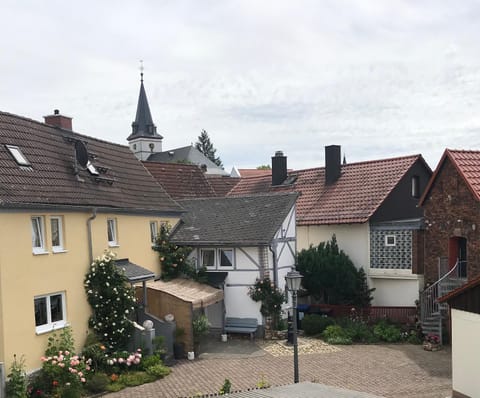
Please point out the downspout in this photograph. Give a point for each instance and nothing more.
(273, 249)
(89, 232)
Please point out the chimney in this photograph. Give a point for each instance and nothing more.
(333, 169)
(279, 168)
(57, 120)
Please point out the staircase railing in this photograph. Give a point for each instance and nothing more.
(429, 305)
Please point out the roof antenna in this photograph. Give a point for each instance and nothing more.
(141, 70)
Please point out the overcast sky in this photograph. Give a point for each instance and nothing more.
(380, 78)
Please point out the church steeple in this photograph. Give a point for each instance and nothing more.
(144, 139)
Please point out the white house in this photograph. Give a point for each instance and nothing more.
(239, 240)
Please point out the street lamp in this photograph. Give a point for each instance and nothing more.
(293, 280)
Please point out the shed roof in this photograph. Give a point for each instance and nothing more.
(200, 295)
(238, 221)
(133, 272)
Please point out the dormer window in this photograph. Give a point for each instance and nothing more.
(18, 155)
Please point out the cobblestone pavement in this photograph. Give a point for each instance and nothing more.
(395, 371)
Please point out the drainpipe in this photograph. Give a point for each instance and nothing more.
(273, 249)
(89, 232)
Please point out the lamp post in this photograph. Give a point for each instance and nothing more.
(293, 280)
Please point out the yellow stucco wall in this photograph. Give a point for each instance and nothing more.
(24, 275)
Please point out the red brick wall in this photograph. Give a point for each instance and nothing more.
(449, 201)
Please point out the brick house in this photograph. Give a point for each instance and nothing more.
(451, 203)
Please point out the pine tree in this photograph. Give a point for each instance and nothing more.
(205, 146)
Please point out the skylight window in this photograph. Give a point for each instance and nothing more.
(18, 155)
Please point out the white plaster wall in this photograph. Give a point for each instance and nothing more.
(353, 239)
(465, 352)
(396, 291)
(239, 304)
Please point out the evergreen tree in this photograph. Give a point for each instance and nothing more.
(330, 276)
(205, 146)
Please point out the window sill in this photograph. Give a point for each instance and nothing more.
(50, 327)
(39, 252)
(59, 250)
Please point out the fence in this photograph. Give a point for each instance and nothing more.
(374, 313)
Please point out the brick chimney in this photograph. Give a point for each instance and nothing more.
(279, 168)
(333, 168)
(57, 120)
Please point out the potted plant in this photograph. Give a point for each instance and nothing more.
(200, 328)
(179, 345)
(432, 342)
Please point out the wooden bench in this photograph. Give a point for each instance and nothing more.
(241, 325)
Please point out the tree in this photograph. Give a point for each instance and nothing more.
(264, 167)
(205, 146)
(330, 276)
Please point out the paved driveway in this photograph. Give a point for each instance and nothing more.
(387, 370)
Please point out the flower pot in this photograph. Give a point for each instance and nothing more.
(224, 338)
(191, 355)
(179, 350)
(428, 346)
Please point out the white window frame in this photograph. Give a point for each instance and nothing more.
(112, 229)
(17, 154)
(219, 256)
(38, 232)
(214, 258)
(60, 248)
(50, 325)
(387, 243)
(153, 231)
(415, 186)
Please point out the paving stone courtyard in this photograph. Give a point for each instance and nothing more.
(396, 370)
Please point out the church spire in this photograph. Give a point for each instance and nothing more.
(143, 125)
(144, 139)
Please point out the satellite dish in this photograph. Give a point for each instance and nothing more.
(81, 153)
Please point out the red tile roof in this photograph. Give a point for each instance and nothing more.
(467, 164)
(221, 184)
(460, 290)
(246, 173)
(353, 198)
(181, 181)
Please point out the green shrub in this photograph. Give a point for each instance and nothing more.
(387, 332)
(158, 371)
(133, 379)
(314, 324)
(414, 338)
(151, 360)
(16, 386)
(114, 387)
(97, 383)
(358, 330)
(335, 334)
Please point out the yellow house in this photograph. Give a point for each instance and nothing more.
(64, 199)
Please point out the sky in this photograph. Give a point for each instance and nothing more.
(380, 78)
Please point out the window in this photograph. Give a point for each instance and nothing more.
(208, 257)
(390, 240)
(49, 312)
(38, 235)
(153, 231)
(18, 155)
(112, 232)
(226, 258)
(416, 186)
(56, 225)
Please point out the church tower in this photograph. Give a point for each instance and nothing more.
(144, 139)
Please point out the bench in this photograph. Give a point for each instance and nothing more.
(241, 325)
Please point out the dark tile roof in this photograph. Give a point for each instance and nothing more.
(181, 181)
(123, 182)
(467, 164)
(239, 221)
(353, 198)
(134, 272)
(188, 154)
(460, 290)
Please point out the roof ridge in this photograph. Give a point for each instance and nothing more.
(53, 128)
(233, 197)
